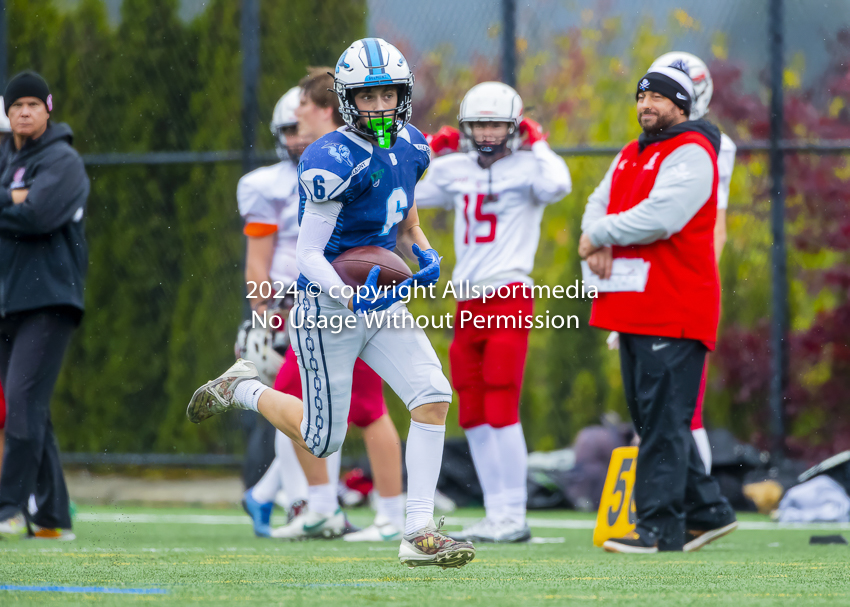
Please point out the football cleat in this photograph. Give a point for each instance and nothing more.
(312, 525)
(14, 528)
(512, 532)
(217, 396)
(483, 531)
(47, 533)
(382, 530)
(260, 513)
(633, 542)
(694, 540)
(298, 507)
(429, 546)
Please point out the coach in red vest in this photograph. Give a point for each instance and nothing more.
(657, 203)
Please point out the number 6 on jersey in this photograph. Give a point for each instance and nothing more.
(396, 204)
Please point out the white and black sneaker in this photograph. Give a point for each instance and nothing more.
(217, 396)
(694, 540)
(634, 542)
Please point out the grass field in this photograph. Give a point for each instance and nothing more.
(194, 556)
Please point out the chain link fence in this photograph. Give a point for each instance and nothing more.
(170, 102)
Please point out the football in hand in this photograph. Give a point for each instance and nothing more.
(353, 266)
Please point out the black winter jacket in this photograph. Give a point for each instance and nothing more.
(43, 253)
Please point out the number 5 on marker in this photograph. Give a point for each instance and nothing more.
(616, 516)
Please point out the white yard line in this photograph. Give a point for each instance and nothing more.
(540, 523)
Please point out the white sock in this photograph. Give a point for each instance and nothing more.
(484, 448)
(514, 465)
(424, 455)
(334, 461)
(323, 499)
(248, 393)
(290, 472)
(268, 486)
(392, 508)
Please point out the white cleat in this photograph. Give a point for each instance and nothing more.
(217, 396)
(382, 530)
(312, 525)
(512, 532)
(429, 546)
(484, 531)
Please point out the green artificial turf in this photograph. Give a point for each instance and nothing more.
(223, 564)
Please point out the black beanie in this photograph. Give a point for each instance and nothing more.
(27, 84)
(671, 82)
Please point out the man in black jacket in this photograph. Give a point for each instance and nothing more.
(43, 259)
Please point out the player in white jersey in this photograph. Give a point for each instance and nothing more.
(357, 189)
(499, 191)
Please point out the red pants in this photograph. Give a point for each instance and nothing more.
(367, 395)
(696, 422)
(487, 363)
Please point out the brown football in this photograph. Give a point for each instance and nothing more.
(354, 264)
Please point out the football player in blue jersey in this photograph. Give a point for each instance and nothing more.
(357, 188)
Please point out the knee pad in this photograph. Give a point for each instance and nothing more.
(501, 406)
(471, 408)
(504, 362)
(466, 365)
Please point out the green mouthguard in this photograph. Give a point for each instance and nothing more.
(381, 128)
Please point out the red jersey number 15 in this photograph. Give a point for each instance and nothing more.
(480, 217)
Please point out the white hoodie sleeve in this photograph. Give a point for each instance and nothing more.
(683, 185)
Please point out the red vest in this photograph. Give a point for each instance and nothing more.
(682, 296)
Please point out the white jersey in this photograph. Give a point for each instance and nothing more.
(725, 166)
(497, 210)
(268, 202)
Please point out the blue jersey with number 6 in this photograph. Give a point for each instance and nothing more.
(374, 185)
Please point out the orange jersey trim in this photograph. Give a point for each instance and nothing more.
(258, 230)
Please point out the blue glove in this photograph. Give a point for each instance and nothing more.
(384, 299)
(429, 266)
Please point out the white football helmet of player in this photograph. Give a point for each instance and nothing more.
(490, 102)
(5, 125)
(258, 345)
(283, 119)
(373, 62)
(700, 76)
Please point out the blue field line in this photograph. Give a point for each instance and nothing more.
(84, 589)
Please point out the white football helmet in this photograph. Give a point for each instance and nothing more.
(490, 102)
(5, 125)
(700, 76)
(373, 62)
(259, 346)
(283, 117)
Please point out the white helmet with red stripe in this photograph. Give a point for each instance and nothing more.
(700, 76)
(491, 102)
